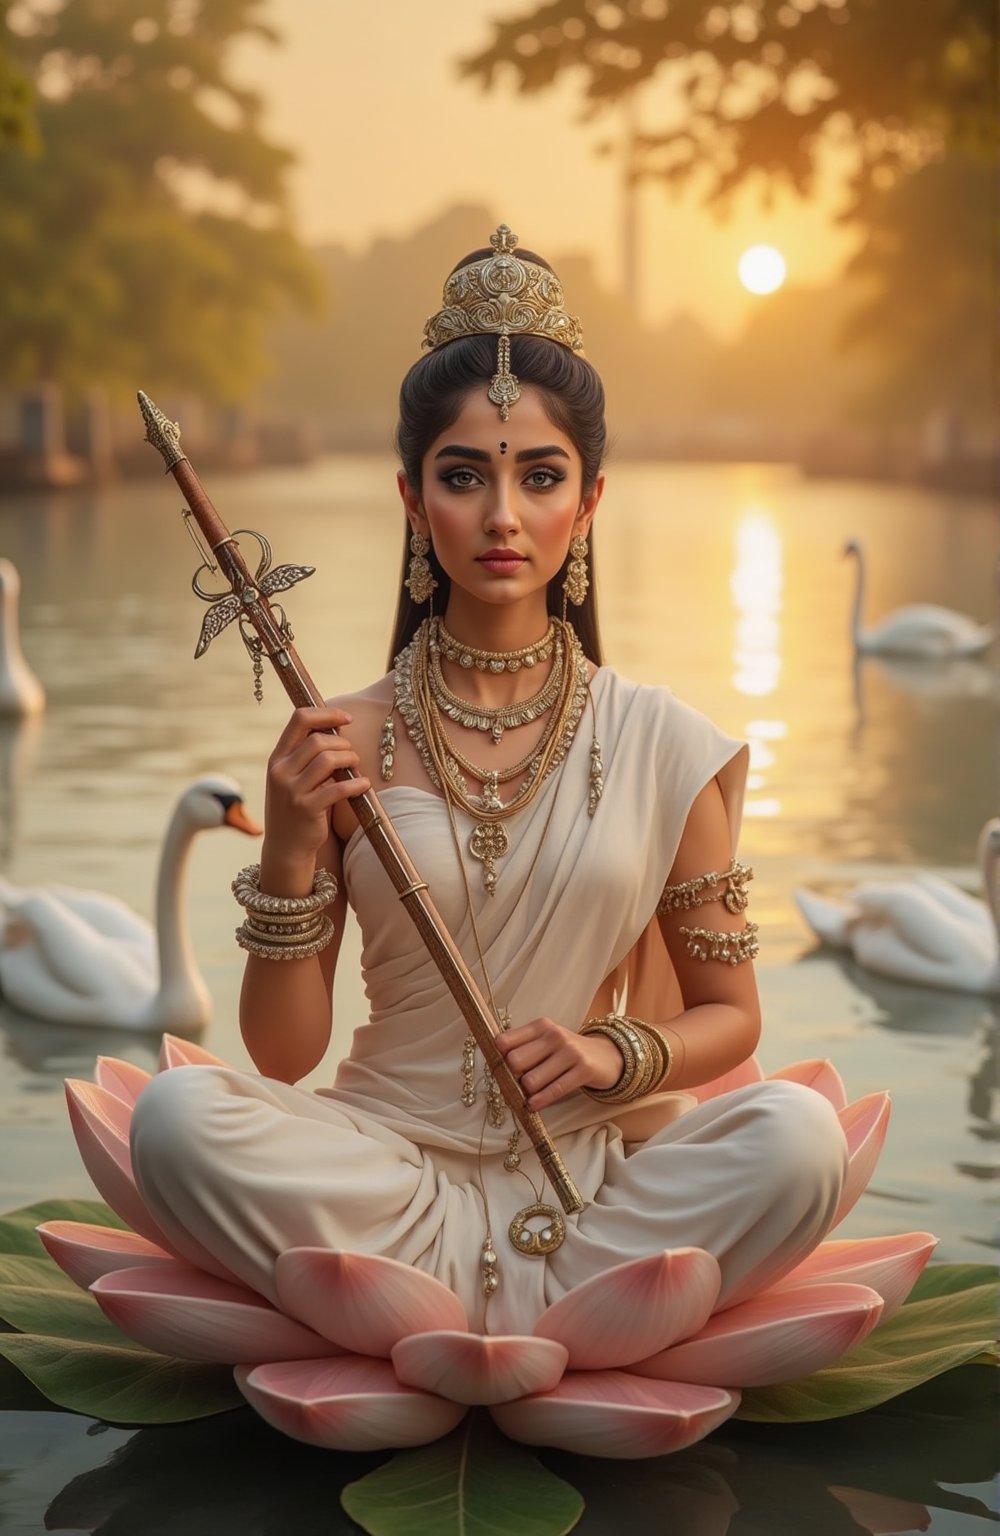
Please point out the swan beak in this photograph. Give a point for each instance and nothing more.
(236, 816)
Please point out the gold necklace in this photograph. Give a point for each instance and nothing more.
(530, 1241)
(494, 661)
(487, 717)
(489, 841)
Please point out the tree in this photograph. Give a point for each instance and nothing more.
(17, 125)
(766, 84)
(756, 92)
(148, 241)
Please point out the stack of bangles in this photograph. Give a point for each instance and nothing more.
(283, 927)
(647, 1056)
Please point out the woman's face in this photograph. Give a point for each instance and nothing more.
(501, 499)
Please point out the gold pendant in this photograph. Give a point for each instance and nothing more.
(489, 842)
(537, 1242)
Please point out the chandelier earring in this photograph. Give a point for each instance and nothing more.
(577, 582)
(419, 578)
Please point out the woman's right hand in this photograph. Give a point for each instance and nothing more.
(301, 791)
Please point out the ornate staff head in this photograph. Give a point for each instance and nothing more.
(503, 295)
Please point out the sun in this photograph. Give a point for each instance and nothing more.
(762, 269)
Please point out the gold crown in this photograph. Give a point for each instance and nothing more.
(503, 295)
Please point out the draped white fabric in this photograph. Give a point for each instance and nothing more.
(388, 1159)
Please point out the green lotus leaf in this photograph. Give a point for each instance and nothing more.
(17, 1228)
(474, 1482)
(925, 1338)
(122, 1383)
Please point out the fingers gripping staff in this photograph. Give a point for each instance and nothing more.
(265, 634)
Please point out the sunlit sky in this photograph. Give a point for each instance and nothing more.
(388, 137)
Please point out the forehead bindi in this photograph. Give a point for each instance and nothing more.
(528, 428)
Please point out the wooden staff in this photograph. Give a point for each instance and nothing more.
(247, 603)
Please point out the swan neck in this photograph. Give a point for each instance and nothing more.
(178, 971)
(991, 882)
(859, 593)
(10, 628)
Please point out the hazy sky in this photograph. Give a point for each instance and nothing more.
(368, 95)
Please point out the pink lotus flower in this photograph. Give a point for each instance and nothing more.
(365, 1353)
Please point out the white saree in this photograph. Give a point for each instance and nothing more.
(238, 1168)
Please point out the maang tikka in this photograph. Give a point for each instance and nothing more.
(503, 295)
(576, 584)
(419, 578)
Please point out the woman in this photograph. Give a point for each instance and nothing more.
(578, 833)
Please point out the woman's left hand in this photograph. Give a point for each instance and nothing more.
(550, 1061)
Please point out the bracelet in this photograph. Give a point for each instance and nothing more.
(733, 947)
(246, 889)
(696, 892)
(295, 948)
(646, 1055)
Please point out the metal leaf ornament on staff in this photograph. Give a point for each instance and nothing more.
(265, 634)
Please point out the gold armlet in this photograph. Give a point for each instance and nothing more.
(712, 944)
(647, 1058)
(704, 888)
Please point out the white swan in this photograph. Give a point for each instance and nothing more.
(81, 957)
(20, 691)
(919, 629)
(923, 929)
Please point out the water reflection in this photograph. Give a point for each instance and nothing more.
(879, 1472)
(755, 586)
(928, 681)
(19, 743)
(55, 1051)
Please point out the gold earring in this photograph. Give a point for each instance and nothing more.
(577, 582)
(419, 579)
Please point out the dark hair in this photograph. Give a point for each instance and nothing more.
(431, 396)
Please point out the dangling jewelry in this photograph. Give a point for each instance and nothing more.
(419, 579)
(577, 582)
(503, 295)
(493, 661)
(387, 746)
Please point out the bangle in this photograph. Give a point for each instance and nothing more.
(246, 889)
(647, 1058)
(284, 927)
(296, 948)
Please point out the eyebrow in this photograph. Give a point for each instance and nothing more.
(480, 456)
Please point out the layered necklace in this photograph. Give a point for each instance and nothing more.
(424, 701)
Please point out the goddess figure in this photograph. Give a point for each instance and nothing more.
(578, 832)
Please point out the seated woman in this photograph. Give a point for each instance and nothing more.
(578, 833)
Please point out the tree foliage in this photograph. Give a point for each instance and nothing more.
(148, 242)
(766, 84)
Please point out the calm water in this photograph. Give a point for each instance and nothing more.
(725, 582)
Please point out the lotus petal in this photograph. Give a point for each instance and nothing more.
(747, 1072)
(363, 1302)
(779, 1335)
(477, 1368)
(634, 1310)
(350, 1404)
(184, 1053)
(865, 1123)
(179, 1310)
(889, 1265)
(85, 1251)
(818, 1074)
(617, 1414)
(122, 1078)
(100, 1124)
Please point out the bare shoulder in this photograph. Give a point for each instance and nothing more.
(368, 709)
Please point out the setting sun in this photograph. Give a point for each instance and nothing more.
(762, 269)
